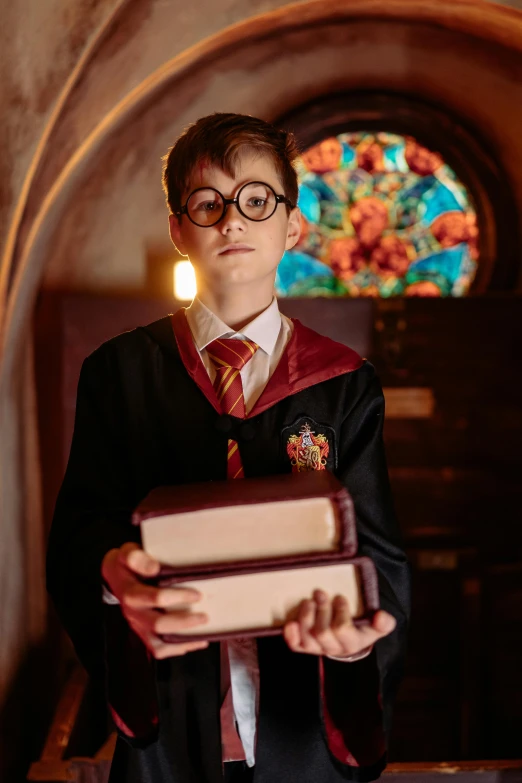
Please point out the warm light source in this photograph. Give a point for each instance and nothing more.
(184, 280)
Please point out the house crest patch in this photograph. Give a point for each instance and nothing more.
(310, 446)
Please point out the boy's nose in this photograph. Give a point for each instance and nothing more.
(232, 219)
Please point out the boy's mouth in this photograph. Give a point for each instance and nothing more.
(235, 248)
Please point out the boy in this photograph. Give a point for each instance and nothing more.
(222, 390)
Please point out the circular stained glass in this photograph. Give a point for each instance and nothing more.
(381, 216)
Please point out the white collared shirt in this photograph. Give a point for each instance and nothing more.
(271, 331)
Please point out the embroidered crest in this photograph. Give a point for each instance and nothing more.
(307, 449)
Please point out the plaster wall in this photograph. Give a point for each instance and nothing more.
(40, 43)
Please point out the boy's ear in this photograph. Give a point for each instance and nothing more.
(175, 234)
(294, 228)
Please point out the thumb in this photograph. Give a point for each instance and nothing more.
(383, 622)
(138, 561)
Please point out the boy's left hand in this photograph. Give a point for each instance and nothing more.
(324, 627)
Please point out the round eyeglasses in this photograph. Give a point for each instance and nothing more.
(256, 201)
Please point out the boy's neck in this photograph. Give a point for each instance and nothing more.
(238, 307)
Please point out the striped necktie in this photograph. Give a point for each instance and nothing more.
(229, 357)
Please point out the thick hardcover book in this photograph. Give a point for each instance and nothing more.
(255, 548)
(259, 599)
(260, 518)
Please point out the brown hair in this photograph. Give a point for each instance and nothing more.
(218, 139)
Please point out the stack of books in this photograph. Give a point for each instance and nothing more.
(255, 548)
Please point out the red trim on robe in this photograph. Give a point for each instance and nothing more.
(308, 359)
(191, 359)
(122, 726)
(352, 716)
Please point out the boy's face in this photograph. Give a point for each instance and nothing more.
(217, 263)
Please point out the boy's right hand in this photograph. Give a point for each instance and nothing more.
(150, 611)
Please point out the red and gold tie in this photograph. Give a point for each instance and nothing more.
(229, 357)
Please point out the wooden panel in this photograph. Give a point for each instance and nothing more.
(467, 504)
(503, 655)
(58, 738)
(347, 321)
(409, 403)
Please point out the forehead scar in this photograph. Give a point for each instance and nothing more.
(202, 166)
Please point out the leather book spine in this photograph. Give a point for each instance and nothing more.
(216, 494)
(346, 512)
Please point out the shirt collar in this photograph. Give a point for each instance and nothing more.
(206, 326)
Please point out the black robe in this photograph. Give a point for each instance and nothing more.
(146, 416)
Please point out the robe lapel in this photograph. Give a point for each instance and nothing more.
(191, 359)
(309, 359)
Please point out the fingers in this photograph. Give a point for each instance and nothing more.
(354, 640)
(123, 570)
(138, 561)
(343, 628)
(384, 623)
(295, 632)
(306, 620)
(160, 650)
(312, 632)
(152, 611)
(136, 595)
(341, 617)
(325, 627)
(150, 625)
(121, 567)
(292, 636)
(323, 612)
(149, 621)
(322, 631)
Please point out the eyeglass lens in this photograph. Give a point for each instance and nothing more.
(257, 201)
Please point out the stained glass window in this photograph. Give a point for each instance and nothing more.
(381, 216)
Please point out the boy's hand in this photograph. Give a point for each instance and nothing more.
(325, 627)
(150, 610)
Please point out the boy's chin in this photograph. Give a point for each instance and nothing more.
(242, 275)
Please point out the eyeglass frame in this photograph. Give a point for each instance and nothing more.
(280, 199)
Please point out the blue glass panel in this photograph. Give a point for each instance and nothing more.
(436, 201)
(296, 267)
(309, 204)
(448, 263)
(381, 216)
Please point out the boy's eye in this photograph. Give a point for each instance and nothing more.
(256, 201)
(208, 206)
